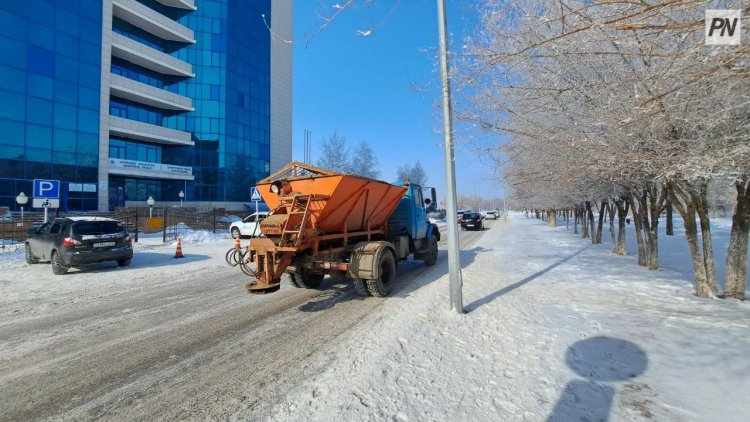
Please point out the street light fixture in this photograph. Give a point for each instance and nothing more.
(182, 195)
(22, 200)
(150, 201)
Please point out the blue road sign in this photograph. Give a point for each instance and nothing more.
(254, 194)
(46, 188)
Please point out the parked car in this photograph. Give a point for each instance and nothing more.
(248, 226)
(492, 215)
(71, 241)
(472, 220)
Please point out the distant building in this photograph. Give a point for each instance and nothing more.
(125, 99)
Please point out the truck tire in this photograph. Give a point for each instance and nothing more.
(289, 277)
(360, 286)
(382, 285)
(430, 257)
(307, 281)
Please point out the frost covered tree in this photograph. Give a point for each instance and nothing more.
(364, 162)
(334, 154)
(610, 107)
(415, 173)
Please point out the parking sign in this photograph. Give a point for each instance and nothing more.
(46, 188)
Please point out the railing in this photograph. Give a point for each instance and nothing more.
(14, 229)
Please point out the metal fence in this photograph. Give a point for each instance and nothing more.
(178, 220)
(14, 228)
(171, 222)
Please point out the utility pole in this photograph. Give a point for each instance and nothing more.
(454, 261)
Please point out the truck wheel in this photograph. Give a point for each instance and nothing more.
(57, 265)
(383, 284)
(290, 278)
(30, 259)
(360, 286)
(307, 281)
(431, 256)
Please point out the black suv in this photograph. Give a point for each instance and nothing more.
(72, 241)
(471, 220)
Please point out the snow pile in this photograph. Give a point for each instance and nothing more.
(202, 236)
(556, 329)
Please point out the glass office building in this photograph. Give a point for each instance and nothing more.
(125, 99)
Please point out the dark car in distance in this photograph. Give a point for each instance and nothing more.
(471, 220)
(72, 241)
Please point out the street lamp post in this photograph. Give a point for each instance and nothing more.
(22, 200)
(182, 195)
(454, 262)
(150, 202)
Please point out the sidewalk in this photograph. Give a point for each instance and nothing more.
(555, 328)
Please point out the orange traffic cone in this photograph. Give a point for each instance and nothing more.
(178, 252)
(237, 243)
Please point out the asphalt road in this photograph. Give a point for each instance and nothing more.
(197, 349)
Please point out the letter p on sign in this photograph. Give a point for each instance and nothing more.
(723, 27)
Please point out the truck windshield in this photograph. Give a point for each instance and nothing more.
(83, 228)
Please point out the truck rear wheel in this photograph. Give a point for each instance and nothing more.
(382, 285)
(304, 280)
(360, 286)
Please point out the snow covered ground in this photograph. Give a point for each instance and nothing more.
(555, 329)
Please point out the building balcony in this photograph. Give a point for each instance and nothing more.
(133, 129)
(145, 56)
(142, 169)
(151, 21)
(180, 4)
(129, 89)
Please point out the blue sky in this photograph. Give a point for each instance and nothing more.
(364, 87)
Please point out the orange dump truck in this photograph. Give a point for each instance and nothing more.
(346, 226)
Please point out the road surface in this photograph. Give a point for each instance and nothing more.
(193, 348)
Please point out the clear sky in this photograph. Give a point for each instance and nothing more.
(383, 88)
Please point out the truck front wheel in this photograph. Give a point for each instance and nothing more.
(432, 254)
(382, 284)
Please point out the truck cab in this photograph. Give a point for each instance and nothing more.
(410, 219)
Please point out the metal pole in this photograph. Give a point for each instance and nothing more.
(454, 262)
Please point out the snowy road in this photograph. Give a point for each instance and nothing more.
(170, 342)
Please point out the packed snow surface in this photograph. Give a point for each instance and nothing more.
(555, 329)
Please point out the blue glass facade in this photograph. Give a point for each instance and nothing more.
(231, 96)
(50, 75)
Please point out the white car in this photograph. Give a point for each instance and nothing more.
(248, 226)
(491, 215)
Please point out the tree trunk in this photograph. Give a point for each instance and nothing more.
(584, 223)
(657, 198)
(575, 221)
(623, 206)
(737, 249)
(638, 211)
(602, 211)
(611, 208)
(681, 200)
(701, 200)
(670, 227)
(553, 218)
(592, 227)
